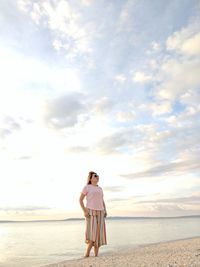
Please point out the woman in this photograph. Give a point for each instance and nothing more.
(95, 213)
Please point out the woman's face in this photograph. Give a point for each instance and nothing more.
(95, 178)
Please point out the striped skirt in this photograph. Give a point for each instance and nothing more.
(96, 228)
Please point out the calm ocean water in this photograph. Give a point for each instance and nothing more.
(35, 244)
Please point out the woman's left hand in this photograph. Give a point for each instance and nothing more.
(105, 213)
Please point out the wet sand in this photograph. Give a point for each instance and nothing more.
(179, 253)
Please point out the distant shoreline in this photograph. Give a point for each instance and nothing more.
(108, 218)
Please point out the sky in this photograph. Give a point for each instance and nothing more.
(105, 86)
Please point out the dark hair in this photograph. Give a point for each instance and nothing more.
(89, 177)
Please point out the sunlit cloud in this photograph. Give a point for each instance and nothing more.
(120, 78)
(87, 88)
(140, 77)
(66, 24)
(173, 168)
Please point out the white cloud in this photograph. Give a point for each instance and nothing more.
(176, 77)
(153, 64)
(160, 108)
(120, 78)
(141, 77)
(93, 124)
(155, 46)
(178, 73)
(186, 41)
(24, 5)
(65, 22)
(191, 98)
(124, 116)
(87, 2)
(103, 106)
(187, 118)
(124, 16)
(26, 82)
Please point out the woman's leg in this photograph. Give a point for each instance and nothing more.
(89, 246)
(96, 250)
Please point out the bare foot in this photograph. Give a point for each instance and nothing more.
(96, 250)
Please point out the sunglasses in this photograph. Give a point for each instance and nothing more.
(95, 175)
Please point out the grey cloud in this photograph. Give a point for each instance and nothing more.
(167, 208)
(174, 210)
(131, 198)
(25, 208)
(183, 200)
(114, 142)
(63, 112)
(4, 132)
(104, 105)
(114, 188)
(77, 149)
(9, 125)
(188, 144)
(116, 199)
(23, 158)
(172, 168)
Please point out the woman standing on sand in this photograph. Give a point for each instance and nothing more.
(95, 213)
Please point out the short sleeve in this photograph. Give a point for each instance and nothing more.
(85, 190)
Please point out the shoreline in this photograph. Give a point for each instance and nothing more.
(180, 252)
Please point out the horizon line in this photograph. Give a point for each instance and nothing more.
(110, 217)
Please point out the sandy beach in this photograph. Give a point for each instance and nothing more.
(168, 254)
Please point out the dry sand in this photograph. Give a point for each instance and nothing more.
(179, 253)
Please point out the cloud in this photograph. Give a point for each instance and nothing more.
(178, 71)
(159, 108)
(124, 16)
(191, 99)
(133, 105)
(114, 188)
(167, 208)
(176, 77)
(103, 106)
(77, 149)
(120, 78)
(25, 208)
(174, 209)
(87, 2)
(8, 125)
(64, 111)
(186, 41)
(184, 200)
(118, 199)
(24, 5)
(172, 169)
(24, 157)
(124, 116)
(114, 142)
(32, 81)
(155, 46)
(140, 77)
(70, 33)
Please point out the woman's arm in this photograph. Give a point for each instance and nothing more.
(104, 208)
(104, 205)
(81, 202)
(85, 210)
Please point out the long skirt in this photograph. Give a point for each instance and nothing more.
(96, 228)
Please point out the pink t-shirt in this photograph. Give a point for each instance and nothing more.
(94, 197)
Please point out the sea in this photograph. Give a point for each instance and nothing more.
(37, 243)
